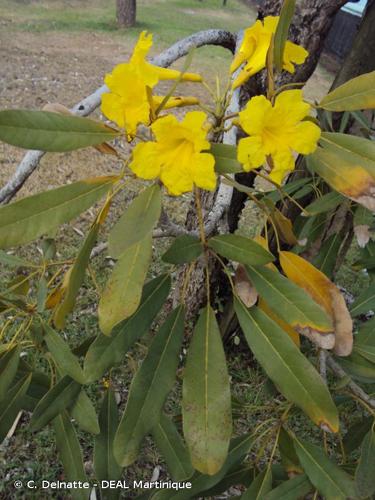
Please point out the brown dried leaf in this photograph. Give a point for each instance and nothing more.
(244, 288)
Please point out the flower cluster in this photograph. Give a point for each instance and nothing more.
(179, 152)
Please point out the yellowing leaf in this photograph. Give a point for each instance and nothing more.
(283, 324)
(358, 93)
(350, 179)
(123, 290)
(325, 293)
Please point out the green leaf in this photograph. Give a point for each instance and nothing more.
(184, 249)
(240, 249)
(365, 302)
(325, 203)
(281, 35)
(29, 218)
(11, 405)
(364, 341)
(70, 454)
(364, 475)
(136, 222)
(225, 159)
(206, 400)
(149, 388)
(52, 132)
(75, 277)
(58, 398)
(238, 449)
(289, 188)
(356, 434)
(293, 489)
(261, 485)
(356, 150)
(172, 448)
(358, 93)
(63, 356)
(8, 369)
(287, 367)
(105, 465)
(123, 291)
(13, 260)
(105, 352)
(331, 481)
(288, 454)
(288, 300)
(327, 256)
(241, 474)
(358, 367)
(84, 414)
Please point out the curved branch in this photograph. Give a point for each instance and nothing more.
(32, 158)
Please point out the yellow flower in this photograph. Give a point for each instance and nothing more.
(176, 155)
(254, 48)
(275, 131)
(130, 99)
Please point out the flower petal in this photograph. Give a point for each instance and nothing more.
(146, 163)
(305, 137)
(293, 53)
(203, 171)
(283, 163)
(251, 153)
(254, 117)
(291, 105)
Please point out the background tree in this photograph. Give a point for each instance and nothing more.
(126, 11)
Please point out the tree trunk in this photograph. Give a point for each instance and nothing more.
(126, 13)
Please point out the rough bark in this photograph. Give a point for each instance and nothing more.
(126, 11)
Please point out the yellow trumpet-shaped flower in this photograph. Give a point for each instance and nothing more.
(276, 131)
(176, 155)
(254, 48)
(130, 99)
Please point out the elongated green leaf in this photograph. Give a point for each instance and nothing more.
(206, 400)
(149, 388)
(184, 249)
(105, 465)
(70, 454)
(58, 398)
(356, 434)
(364, 343)
(288, 300)
(13, 260)
(123, 290)
(356, 150)
(358, 93)
(288, 454)
(84, 414)
(281, 35)
(366, 351)
(136, 222)
(287, 367)
(240, 249)
(293, 489)
(261, 485)
(225, 159)
(326, 259)
(331, 481)
(358, 367)
(62, 355)
(53, 132)
(364, 475)
(289, 188)
(29, 218)
(8, 368)
(173, 449)
(240, 474)
(345, 176)
(201, 483)
(325, 203)
(365, 302)
(106, 352)
(11, 405)
(75, 278)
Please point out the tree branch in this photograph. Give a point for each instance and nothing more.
(32, 158)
